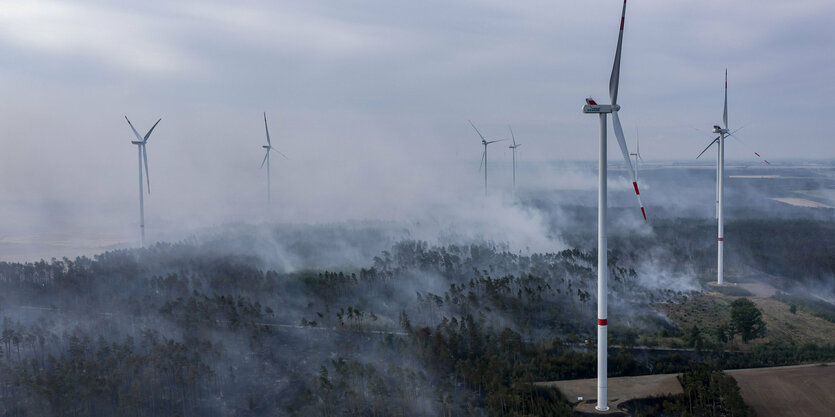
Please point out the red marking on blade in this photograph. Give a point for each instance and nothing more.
(621, 22)
(602, 322)
(592, 102)
(635, 184)
(644, 213)
(757, 154)
(721, 239)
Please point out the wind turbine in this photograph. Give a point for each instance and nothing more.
(513, 148)
(268, 147)
(720, 181)
(637, 153)
(143, 155)
(601, 110)
(484, 142)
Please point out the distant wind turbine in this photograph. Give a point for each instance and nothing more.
(637, 153)
(720, 181)
(268, 147)
(484, 142)
(513, 148)
(601, 110)
(143, 155)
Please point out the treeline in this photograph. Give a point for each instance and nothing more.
(149, 376)
(797, 251)
(192, 329)
(189, 330)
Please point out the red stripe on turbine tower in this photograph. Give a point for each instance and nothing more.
(721, 239)
(602, 322)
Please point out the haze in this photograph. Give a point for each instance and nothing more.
(370, 100)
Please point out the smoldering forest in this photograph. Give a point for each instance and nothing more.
(411, 317)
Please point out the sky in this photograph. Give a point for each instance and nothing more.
(375, 95)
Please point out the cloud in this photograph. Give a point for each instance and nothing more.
(274, 30)
(125, 39)
(370, 99)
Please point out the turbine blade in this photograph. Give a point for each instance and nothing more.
(743, 127)
(725, 114)
(512, 135)
(494, 141)
(622, 142)
(147, 135)
(145, 157)
(280, 153)
(476, 130)
(267, 129)
(266, 155)
(614, 79)
(708, 146)
(737, 138)
(139, 138)
(483, 154)
(743, 142)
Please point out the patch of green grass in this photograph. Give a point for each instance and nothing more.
(812, 306)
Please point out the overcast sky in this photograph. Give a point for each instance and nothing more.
(359, 89)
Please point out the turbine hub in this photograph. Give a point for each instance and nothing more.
(719, 129)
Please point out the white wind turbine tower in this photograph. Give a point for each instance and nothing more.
(513, 148)
(268, 147)
(484, 142)
(718, 163)
(143, 155)
(720, 181)
(602, 245)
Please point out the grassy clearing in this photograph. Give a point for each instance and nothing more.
(814, 307)
(709, 311)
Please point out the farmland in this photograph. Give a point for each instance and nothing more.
(788, 391)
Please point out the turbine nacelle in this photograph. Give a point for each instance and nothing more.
(137, 142)
(592, 107)
(719, 129)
